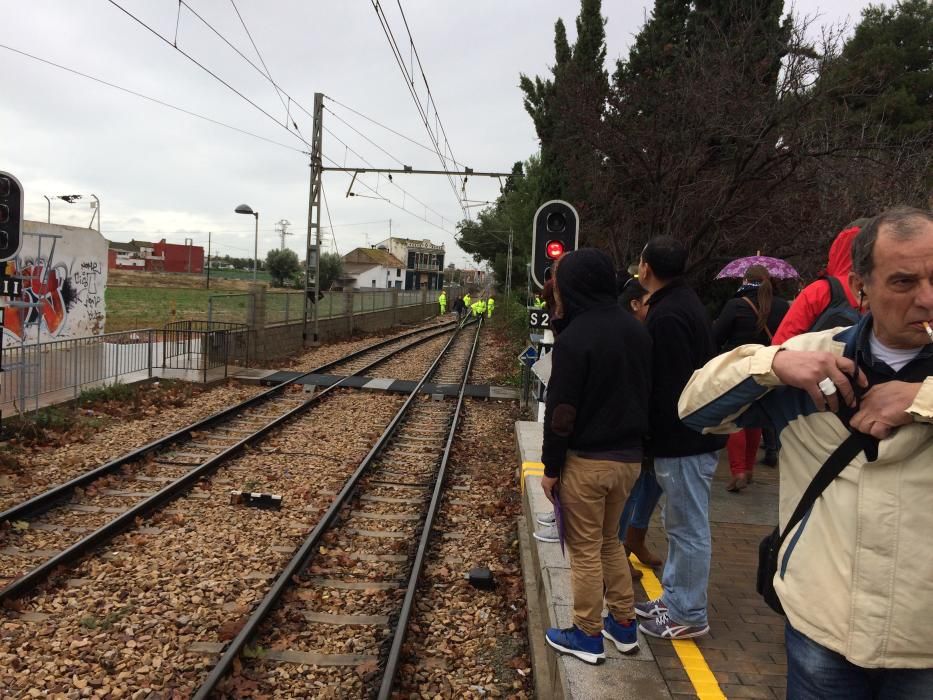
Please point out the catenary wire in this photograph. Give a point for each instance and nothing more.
(151, 99)
(278, 91)
(360, 133)
(380, 125)
(394, 204)
(206, 69)
(329, 222)
(391, 182)
(409, 84)
(427, 86)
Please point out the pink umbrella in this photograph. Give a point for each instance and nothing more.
(779, 269)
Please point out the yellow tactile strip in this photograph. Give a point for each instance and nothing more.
(698, 671)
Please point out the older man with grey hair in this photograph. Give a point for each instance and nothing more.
(854, 408)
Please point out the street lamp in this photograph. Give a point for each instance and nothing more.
(246, 209)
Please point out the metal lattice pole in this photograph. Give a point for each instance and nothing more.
(313, 245)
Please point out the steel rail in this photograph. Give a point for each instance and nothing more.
(49, 499)
(125, 520)
(398, 638)
(311, 543)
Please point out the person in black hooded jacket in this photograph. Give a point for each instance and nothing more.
(595, 420)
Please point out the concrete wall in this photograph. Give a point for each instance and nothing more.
(67, 281)
(271, 342)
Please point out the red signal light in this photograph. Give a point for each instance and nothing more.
(554, 249)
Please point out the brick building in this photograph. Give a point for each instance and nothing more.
(156, 257)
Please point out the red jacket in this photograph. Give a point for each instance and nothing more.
(815, 297)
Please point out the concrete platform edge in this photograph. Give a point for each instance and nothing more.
(540, 664)
(547, 587)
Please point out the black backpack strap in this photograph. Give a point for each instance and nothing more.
(836, 292)
(857, 442)
(841, 457)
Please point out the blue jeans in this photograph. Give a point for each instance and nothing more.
(641, 503)
(686, 481)
(817, 673)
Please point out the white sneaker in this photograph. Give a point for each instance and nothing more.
(548, 534)
(546, 518)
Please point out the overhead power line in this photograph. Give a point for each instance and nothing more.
(151, 99)
(381, 125)
(399, 206)
(278, 91)
(391, 182)
(410, 85)
(206, 69)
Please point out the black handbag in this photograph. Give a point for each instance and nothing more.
(770, 546)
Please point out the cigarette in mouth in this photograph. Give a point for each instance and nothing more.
(926, 327)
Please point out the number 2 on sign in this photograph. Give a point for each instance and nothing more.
(538, 318)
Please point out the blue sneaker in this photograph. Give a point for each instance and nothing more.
(624, 636)
(574, 642)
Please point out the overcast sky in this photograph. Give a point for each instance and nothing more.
(160, 173)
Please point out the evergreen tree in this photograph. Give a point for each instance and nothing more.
(884, 75)
(577, 90)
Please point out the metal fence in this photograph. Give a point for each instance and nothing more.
(230, 308)
(182, 348)
(201, 346)
(65, 367)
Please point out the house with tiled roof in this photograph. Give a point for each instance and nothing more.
(372, 268)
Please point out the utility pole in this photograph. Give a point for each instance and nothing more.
(282, 230)
(313, 246)
(208, 259)
(508, 270)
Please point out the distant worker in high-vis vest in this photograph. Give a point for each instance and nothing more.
(442, 302)
(490, 306)
(538, 302)
(467, 301)
(479, 308)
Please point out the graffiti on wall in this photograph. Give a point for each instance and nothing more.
(59, 299)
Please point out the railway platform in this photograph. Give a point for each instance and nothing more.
(742, 657)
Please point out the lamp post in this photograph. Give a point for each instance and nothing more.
(246, 209)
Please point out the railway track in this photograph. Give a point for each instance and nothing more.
(346, 595)
(64, 523)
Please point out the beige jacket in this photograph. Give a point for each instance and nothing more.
(856, 575)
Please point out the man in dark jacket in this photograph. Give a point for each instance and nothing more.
(595, 419)
(684, 461)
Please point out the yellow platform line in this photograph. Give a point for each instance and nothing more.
(531, 469)
(698, 671)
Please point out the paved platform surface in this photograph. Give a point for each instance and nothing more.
(742, 657)
(482, 391)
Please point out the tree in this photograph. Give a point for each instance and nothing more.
(487, 237)
(727, 127)
(579, 84)
(331, 269)
(282, 265)
(892, 51)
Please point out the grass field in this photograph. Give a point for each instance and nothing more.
(151, 307)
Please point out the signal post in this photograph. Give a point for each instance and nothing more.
(555, 231)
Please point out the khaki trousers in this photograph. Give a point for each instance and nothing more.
(592, 496)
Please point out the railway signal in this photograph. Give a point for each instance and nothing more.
(11, 216)
(555, 231)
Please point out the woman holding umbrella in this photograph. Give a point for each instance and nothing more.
(751, 316)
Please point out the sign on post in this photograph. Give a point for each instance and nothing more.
(538, 317)
(528, 356)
